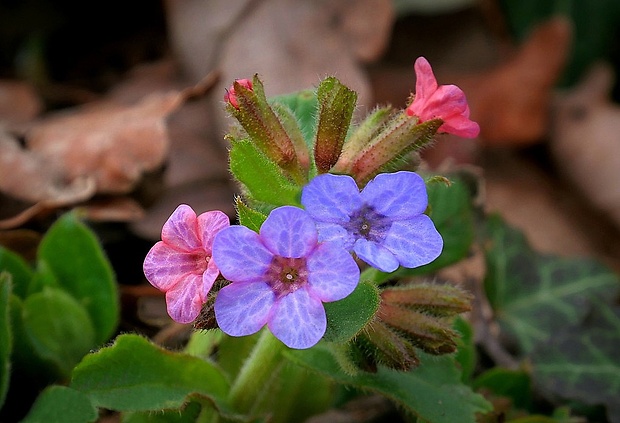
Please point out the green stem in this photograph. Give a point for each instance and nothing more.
(253, 379)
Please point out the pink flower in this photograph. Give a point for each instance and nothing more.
(180, 264)
(231, 96)
(446, 102)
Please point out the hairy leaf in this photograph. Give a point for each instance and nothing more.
(347, 317)
(21, 273)
(59, 404)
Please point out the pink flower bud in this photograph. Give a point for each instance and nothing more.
(445, 102)
(231, 97)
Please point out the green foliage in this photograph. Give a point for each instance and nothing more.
(513, 384)
(6, 336)
(304, 105)
(21, 273)
(135, 375)
(248, 217)
(465, 355)
(347, 317)
(433, 391)
(59, 404)
(263, 179)
(534, 295)
(72, 253)
(58, 328)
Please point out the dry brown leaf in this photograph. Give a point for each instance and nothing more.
(19, 102)
(114, 144)
(584, 141)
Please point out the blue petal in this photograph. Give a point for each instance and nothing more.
(331, 198)
(243, 308)
(333, 232)
(298, 320)
(289, 232)
(400, 195)
(414, 242)
(240, 255)
(375, 255)
(332, 273)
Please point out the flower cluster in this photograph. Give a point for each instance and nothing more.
(304, 253)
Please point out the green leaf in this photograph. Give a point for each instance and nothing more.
(21, 273)
(59, 404)
(6, 336)
(304, 105)
(74, 256)
(252, 219)
(433, 391)
(581, 362)
(466, 348)
(513, 384)
(58, 327)
(336, 105)
(535, 295)
(135, 375)
(347, 317)
(263, 178)
(188, 414)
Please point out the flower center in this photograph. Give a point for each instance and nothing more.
(367, 223)
(201, 261)
(286, 275)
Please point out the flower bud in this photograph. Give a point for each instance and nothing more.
(231, 96)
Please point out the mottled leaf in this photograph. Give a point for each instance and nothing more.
(535, 295)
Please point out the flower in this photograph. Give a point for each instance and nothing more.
(231, 96)
(280, 278)
(180, 264)
(446, 102)
(384, 224)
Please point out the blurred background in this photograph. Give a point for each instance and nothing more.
(117, 106)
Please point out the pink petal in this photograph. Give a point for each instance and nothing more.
(181, 229)
(426, 83)
(209, 224)
(298, 320)
(184, 300)
(164, 265)
(208, 279)
(243, 308)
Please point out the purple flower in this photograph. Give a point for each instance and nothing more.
(280, 278)
(384, 225)
(180, 264)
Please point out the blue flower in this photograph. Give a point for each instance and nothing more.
(384, 224)
(280, 278)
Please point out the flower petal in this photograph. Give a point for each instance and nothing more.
(375, 255)
(184, 301)
(331, 198)
(332, 272)
(333, 232)
(181, 229)
(243, 308)
(398, 196)
(461, 126)
(426, 83)
(289, 232)
(208, 279)
(240, 255)
(209, 224)
(164, 265)
(298, 320)
(414, 242)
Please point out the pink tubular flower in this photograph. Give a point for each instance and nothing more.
(445, 102)
(180, 264)
(231, 96)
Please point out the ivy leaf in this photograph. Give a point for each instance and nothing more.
(535, 295)
(347, 317)
(581, 363)
(59, 404)
(262, 177)
(6, 339)
(135, 375)
(433, 391)
(21, 273)
(72, 253)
